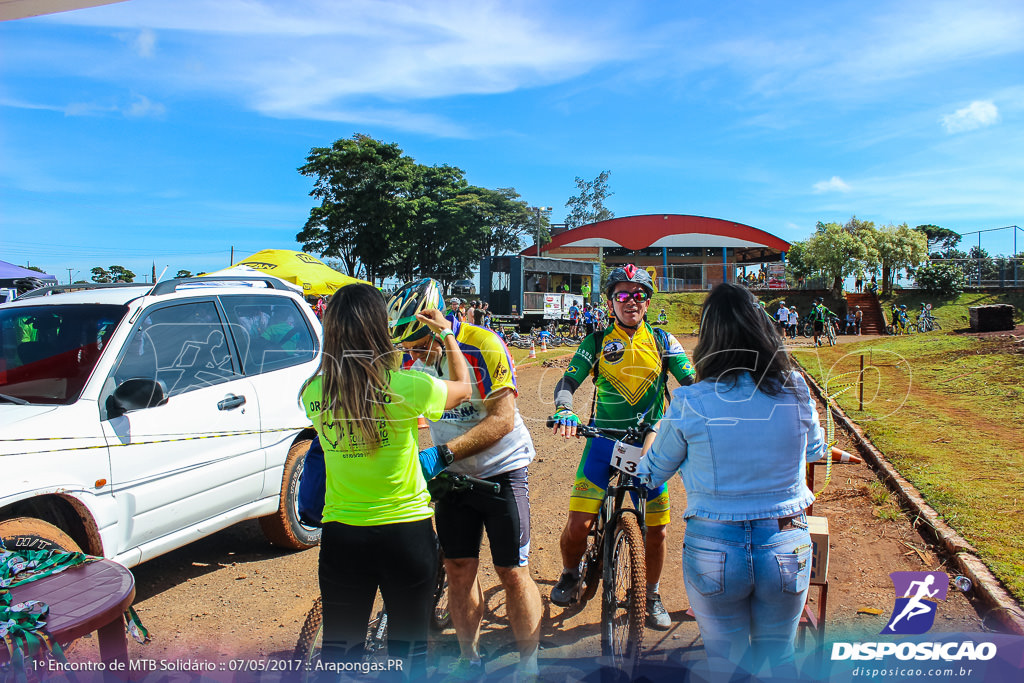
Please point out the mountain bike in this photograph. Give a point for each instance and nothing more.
(307, 649)
(830, 329)
(616, 556)
(899, 325)
(926, 322)
(806, 326)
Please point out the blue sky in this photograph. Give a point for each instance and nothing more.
(168, 131)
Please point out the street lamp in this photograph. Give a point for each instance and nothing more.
(540, 210)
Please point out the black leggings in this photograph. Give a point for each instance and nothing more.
(400, 559)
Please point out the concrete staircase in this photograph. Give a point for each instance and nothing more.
(874, 321)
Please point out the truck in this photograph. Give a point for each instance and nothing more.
(533, 290)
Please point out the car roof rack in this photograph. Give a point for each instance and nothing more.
(171, 286)
(56, 289)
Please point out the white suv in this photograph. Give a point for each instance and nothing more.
(137, 418)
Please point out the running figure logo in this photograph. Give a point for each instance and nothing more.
(916, 596)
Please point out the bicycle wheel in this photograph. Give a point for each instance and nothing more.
(831, 335)
(311, 638)
(808, 330)
(890, 330)
(590, 571)
(624, 600)
(441, 617)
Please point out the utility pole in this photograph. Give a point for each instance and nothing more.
(540, 210)
(232, 260)
(69, 275)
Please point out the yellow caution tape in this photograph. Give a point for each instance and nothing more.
(191, 437)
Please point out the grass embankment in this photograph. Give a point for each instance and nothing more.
(948, 412)
(953, 314)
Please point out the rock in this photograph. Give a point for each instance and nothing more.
(991, 318)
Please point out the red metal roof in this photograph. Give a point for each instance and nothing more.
(664, 230)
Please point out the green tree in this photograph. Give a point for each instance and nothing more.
(796, 261)
(101, 275)
(941, 279)
(183, 273)
(443, 237)
(980, 266)
(839, 250)
(939, 237)
(898, 246)
(505, 217)
(363, 186)
(588, 206)
(121, 274)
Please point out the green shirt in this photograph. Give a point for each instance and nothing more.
(629, 377)
(384, 486)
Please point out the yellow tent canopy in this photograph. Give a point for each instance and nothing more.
(314, 276)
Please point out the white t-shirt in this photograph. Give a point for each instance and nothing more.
(491, 369)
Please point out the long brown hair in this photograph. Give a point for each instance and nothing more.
(357, 360)
(737, 336)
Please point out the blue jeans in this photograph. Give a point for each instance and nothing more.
(747, 583)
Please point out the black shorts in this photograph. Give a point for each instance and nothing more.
(819, 327)
(461, 517)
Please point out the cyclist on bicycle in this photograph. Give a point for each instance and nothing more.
(484, 437)
(819, 316)
(574, 320)
(630, 361)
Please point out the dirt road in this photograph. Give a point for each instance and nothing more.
(233, 596)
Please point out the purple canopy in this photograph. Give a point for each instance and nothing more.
(9, 271)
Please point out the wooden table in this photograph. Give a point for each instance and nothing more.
(91, 597)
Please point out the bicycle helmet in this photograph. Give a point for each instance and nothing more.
(628, 273)
(410, 299)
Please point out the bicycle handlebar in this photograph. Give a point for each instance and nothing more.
(632, 435)
(462, 482)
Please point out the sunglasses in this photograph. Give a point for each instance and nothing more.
(423, 347)
(638, 296)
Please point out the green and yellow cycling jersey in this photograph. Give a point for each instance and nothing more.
(631, 372)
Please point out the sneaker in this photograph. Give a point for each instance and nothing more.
(657, 615)
(564, 592)
(464, 670)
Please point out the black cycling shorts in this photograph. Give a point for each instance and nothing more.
(819, 326)
(461, 517)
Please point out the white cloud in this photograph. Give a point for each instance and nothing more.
(977, 114)
(145, 42)
(142, 106)
(833, 184)
(352, 60)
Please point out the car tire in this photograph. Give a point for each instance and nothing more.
(283, 528)
(28, 533)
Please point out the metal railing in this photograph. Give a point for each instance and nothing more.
(998, 272)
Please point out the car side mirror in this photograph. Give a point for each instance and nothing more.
(135, 394)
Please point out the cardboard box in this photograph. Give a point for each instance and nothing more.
(818, 526)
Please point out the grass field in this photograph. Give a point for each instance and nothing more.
(948, 412)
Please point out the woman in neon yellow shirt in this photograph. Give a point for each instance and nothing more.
(377, 530)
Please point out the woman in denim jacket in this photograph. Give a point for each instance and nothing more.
(739, 438)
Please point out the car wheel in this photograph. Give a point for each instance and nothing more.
(27, 533)
(283, 528)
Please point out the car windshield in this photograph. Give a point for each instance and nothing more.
(48, 352)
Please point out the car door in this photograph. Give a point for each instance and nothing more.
(278, 343)
(198, 455)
